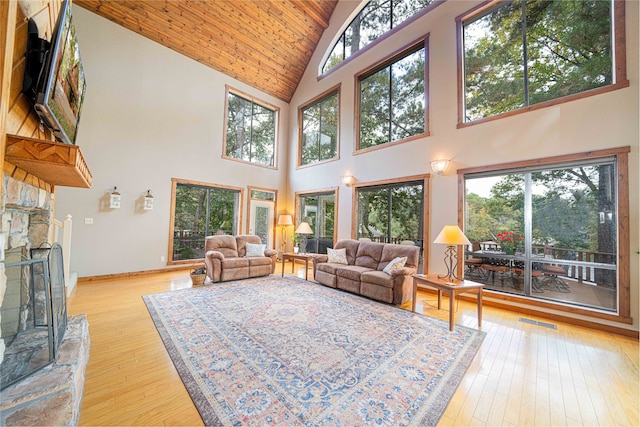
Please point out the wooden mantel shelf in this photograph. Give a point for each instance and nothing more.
(53, 162)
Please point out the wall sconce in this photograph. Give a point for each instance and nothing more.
(148, 201)
(439, 166)
(114, 199)
(348, 180)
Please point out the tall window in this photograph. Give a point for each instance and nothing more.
(250, 130)
(200, 210)
(392, 213)
(319, 211)
(519, 53)
(548, 232)
(319, 129)
(376, 19)
(392, 99)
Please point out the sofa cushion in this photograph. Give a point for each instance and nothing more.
(256, 261)
(395, 265)
(224, 244)
(253, 249)
(337, 256)
(369, 254)
(352, 249)
(328, 267)
(235, 263)
(390, 252)
(379, 278)
(351, 272)
(242, 241)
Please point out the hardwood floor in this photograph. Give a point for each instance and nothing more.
(523, 375)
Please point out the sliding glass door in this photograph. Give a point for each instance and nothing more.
(548, 232)
(200, 210)
(319, 211)
(391, 213)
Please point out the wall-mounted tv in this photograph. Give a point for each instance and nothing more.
(54, 77)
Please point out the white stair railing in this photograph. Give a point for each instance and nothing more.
(64, 240)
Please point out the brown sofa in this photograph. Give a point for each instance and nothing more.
(364, 273)
(225, 258)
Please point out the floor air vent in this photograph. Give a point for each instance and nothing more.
(535, 322)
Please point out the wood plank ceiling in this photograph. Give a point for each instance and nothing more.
(266, 44)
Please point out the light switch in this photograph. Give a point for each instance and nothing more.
(88, 221)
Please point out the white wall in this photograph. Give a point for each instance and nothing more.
(598, 122)
(150, 115)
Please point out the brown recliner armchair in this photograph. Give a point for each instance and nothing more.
(226, 258)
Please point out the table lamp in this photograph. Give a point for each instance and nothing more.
(303, 229)
(452, 236)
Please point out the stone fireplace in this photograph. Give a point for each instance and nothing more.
(46, 364)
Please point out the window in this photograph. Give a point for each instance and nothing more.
(319, 129)
(318, 209)
(261, 214)
(551, 231)
(200, 210)
(518, 54)
(391, 212)
(377, 18)
(392, 99)
(250, 133)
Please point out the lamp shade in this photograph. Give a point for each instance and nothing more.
(452, 235)
(439, 166)
(285, 220)
(304, 228)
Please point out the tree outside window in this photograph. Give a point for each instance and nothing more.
(392, 100)
(319, 130)
(375, 20)
(250, 130)
(201, 210)
(522, 53)
(567, 217)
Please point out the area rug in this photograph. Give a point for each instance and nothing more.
(284, 351)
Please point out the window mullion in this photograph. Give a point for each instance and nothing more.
(390, 100)
(319, 131)
(525, 58)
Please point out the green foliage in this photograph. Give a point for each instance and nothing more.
(392, 101)
(568, 51)
(566, 204)
(320, 130)
(250, 131)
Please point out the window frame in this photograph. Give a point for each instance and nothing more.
(318, 99)
(416, 45)
(331, 190)
(619, 54)
(371, 45)
(623, 314)
(172, 214)
(425, 203)
(254, 100)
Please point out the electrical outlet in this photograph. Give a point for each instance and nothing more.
(88, 221)
(162, 259)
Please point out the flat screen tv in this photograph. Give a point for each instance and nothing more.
(54, 72)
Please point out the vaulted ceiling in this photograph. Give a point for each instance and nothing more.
(266, 44)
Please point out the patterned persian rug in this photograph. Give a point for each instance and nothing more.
(284, 351)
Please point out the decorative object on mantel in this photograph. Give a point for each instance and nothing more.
(114, 199)
(336, 358)
(148, 201)
(452, 236)
(439, 166)
(303, 229)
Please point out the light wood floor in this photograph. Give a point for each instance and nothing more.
(523, 375)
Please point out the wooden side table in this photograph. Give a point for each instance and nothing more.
(452, 289)
(293, 257)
